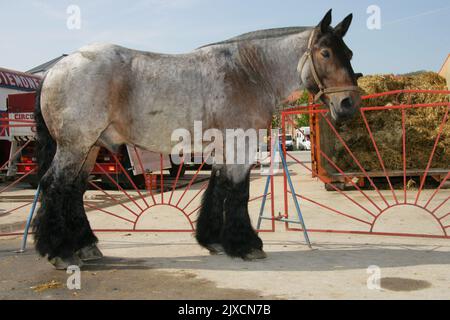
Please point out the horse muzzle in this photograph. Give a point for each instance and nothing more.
(344, 107)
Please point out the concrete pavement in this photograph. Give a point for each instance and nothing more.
(173, 266)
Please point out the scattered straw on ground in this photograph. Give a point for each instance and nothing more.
(47, 286)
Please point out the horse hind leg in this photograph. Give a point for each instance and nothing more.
(89, 252)
(61, 228)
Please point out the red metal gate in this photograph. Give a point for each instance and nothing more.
(162, 203)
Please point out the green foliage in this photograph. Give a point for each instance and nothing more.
(276, 121)
(304, 99)
(303, 120)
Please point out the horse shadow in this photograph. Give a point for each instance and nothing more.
(334, 257)
(282, 256)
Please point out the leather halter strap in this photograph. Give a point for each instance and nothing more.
(322, 89)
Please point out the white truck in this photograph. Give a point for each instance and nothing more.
(303, 138)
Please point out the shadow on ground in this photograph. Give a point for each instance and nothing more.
(327, 257)
(169, 277)
(318, 260)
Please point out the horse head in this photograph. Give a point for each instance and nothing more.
(326, 70)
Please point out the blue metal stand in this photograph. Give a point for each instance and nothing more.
(30, 218)
(301, 221)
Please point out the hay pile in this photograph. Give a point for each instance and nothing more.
(422, 127)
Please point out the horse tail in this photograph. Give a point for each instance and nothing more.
(45, 144)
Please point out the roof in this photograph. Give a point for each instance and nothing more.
(445, 66)
(47, 65)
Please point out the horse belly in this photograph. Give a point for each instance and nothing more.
(155, 133)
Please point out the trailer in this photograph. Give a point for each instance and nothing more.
(5, 144)
(11, 82)
(303, 138)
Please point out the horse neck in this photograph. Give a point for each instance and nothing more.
(281, 56)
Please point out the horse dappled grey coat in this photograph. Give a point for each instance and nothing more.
(107, 96)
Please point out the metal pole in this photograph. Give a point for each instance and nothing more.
(266, 189)
(30, 218)
(294, 197)
(263, 205)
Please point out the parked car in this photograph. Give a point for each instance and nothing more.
(289, 142)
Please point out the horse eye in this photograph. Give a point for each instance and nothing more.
(325, 53)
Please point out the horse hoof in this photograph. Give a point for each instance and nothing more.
(90, 253)
(215, 249)
(63, 264)
(255, 254)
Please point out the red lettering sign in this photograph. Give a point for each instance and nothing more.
(17, 80)
(23, 116)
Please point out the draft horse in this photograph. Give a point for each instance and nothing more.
(105, 95)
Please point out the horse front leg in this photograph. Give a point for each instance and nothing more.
(239, 239)
(210, 221)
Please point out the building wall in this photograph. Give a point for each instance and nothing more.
(448, 78)
(445, 71)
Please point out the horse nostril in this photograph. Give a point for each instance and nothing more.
(347, 103)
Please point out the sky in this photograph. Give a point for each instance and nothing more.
(414, 34)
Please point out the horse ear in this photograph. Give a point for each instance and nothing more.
(342, 28)
(326, 22)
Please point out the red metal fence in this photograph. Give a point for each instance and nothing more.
(157, 202)
(364, 202)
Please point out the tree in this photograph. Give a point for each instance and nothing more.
(303, 119)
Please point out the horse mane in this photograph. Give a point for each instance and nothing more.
(261, 35)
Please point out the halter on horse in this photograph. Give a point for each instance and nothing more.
(323, 90)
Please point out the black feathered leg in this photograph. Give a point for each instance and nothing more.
(210, 220)
(61, 227)
(239, 239)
